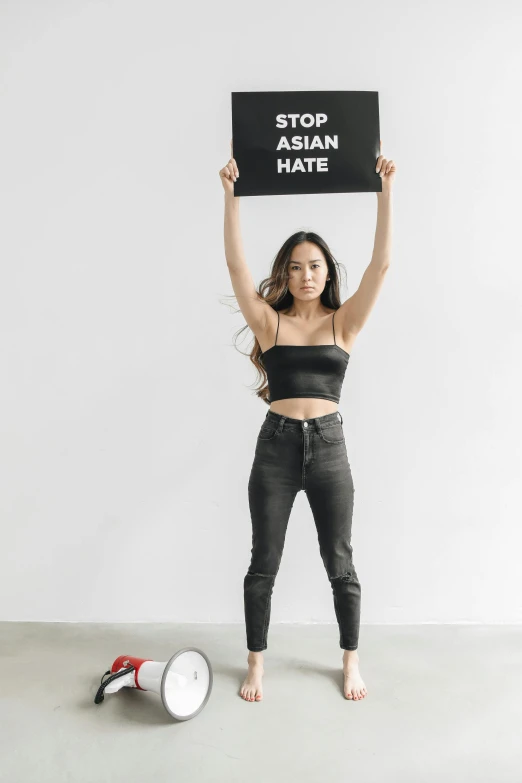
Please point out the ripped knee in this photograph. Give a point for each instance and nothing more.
(347, 576)
(253, 573)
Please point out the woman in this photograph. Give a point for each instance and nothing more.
(304, 336)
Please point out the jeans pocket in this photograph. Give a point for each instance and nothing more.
(333, 434)
(267, 431)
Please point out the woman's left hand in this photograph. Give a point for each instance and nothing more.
(387, 170)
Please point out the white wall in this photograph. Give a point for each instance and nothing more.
(128, 423)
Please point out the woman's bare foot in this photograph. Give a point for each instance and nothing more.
(251, 690)
(354, 687)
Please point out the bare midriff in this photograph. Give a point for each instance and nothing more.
(303, 407)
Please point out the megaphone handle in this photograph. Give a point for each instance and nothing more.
(122, 673)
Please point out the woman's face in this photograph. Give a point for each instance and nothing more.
(308, 268)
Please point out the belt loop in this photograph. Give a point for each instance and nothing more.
(340, 416)
(281, 424)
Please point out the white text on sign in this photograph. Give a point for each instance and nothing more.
(303, 142)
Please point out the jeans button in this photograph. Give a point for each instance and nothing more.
(305, 424)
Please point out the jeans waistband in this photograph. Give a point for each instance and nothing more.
(315, 424)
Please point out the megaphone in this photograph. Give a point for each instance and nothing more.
(184, 682)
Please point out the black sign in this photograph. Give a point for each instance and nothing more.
(306, 142)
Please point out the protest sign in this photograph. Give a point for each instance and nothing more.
(306, 142)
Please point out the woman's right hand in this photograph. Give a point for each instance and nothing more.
(229, 173)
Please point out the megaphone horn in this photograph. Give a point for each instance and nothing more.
(184, 682)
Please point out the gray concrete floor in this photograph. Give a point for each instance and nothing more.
(444, 704)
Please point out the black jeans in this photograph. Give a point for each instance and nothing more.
(294, 454)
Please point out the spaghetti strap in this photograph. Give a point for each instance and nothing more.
(277, 328)
(333, 327)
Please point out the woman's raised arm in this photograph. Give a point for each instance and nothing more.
(253, 306)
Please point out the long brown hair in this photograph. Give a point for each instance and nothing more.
(274, 290)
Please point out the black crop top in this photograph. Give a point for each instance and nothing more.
(305, 370)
